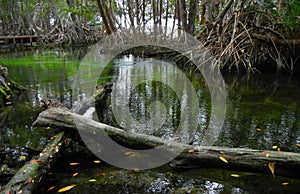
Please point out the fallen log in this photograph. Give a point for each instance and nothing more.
(286, 163)
(26, 177)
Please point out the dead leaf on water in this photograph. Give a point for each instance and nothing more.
(67, 188)
(271, 166)
(285, 183)
(51, 188)
(223, 159)
(74, 163)
(35, 160)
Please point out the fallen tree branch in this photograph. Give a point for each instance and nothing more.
(286, 163)
(27, 176)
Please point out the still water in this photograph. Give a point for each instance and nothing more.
(263, 111)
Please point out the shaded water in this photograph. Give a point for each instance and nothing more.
(262, 111)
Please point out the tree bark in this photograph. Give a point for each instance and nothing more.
(286, 163)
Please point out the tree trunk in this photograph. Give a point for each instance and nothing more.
(286, 163)
(104, 17)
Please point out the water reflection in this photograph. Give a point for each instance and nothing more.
(155, 97)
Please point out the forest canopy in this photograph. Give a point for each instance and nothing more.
(240, 34)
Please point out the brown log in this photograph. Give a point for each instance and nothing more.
(286, 163)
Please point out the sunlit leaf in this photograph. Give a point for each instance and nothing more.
(51, 188)
(136, 170)
(8, 96)
(298, 144)
(74, 163)
(75, 174)
(53, 137)
(22, 157)
(258, 129)
(271, 166)
(97, 161)
(235, 175)
(191, 151)
(8, 83)
(67, 188)
(285, 183)
(8, 103)
(223, 159)
(274, 147)
(103, 174)
(92, 180)
(278, 149)
(20, 192)
(35, 160)
(48, 128)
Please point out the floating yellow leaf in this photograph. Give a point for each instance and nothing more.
(74, 163)
(223, 159)
(278, 149)
(285, 183)
(67, 188)
(51, 188)
(97, 161)
(92, 180)
(298, 144)
(235, 175)
(258, 129)
(271, 166)
(22, 157)
(191, 151)
(274, 147)
(75, 174)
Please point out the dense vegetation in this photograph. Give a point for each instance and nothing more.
(241, 34)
